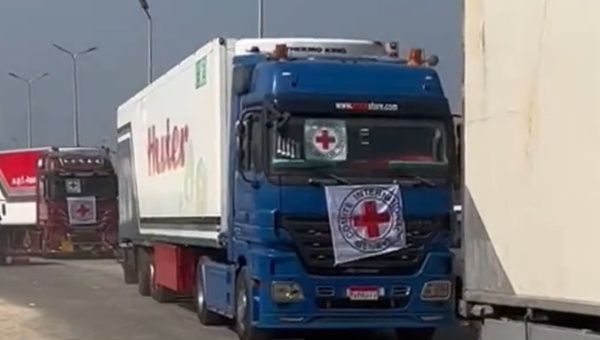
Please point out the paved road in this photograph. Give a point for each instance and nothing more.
(87, 300)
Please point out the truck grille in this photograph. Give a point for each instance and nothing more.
(383, 303)
(88, 236)
(312, 239)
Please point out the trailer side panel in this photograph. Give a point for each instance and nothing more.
(532, 169)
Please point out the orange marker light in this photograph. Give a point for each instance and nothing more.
(415, 57)
(280, 52)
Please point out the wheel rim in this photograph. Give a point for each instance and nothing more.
(242, 303)
(200, 296)
(152, 281)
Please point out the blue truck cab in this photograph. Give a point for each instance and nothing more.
(302, 125)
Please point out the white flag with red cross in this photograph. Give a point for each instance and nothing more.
(82, 210)
(365, 221)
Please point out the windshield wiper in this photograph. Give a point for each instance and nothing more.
(420, 180)
(338, 179)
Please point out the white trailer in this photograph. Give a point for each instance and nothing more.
(18, 205)
(18, 179)
(173, 135)
(532, 168)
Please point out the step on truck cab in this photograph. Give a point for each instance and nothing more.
(292, 184)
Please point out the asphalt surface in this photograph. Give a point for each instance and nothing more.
(88, 300)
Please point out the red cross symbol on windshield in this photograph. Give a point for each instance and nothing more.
(325, 139)
(82, 210)
(370, 219)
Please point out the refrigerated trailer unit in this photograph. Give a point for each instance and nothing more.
(292, 184)
(532, 168)
(18, 184)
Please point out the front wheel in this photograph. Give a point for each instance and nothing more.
(243, 308)
(415, 334)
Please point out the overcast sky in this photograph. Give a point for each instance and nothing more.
(118, 69)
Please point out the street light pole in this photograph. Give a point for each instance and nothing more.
(29, 83)
(146, 9)
(74, 56)
(261, 18)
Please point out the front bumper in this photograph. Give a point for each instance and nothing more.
(325, 304)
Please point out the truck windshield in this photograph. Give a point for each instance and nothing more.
(102, 186)
(352, 145)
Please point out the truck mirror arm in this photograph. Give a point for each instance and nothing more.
(274, 116)
(240, 130)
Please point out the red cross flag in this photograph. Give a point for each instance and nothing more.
(365, 221)
(82, 210)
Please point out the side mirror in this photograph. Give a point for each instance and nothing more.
(242, 79)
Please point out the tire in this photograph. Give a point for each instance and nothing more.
(44, 244)
(3, 247)
(130, 274)
(415, 334)
(205, 316)
(243, 301)
(143, 271)
(159, 293)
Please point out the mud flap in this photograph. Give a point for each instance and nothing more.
(220, 287)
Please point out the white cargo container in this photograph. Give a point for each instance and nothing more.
(532, 166)
(177, 129)
(18, 179)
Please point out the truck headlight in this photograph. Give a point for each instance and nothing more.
(286, 292)
(436, 291)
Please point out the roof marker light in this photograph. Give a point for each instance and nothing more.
(415, 58)
(392, 49)
(280, 52)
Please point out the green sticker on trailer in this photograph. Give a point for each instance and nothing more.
(201, 72)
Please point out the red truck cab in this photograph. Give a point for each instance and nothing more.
(77, 202)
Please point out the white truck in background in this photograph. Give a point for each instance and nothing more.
(18, 180)
(532, 169)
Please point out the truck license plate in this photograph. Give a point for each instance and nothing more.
(364, 293)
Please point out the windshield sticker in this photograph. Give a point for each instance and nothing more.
(73, 186)
(325, 140)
